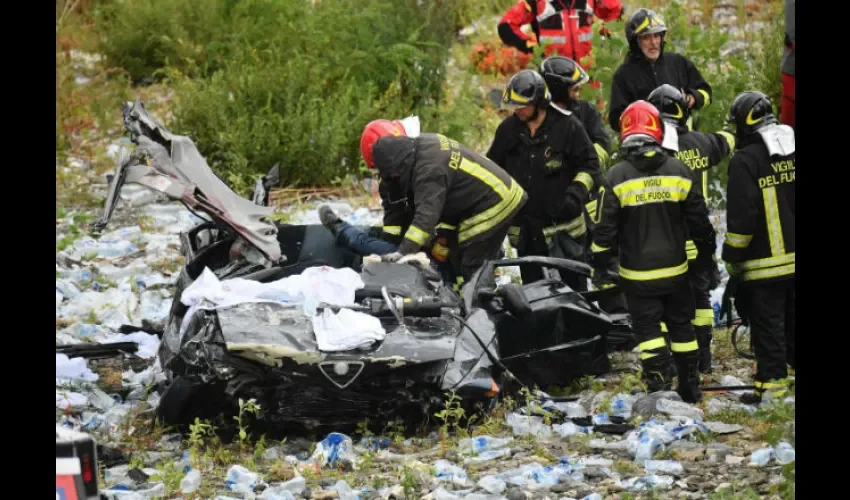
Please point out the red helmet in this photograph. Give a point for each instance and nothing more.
(641, 118)
(373, 131)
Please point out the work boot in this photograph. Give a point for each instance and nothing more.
(704, 341)
(687, 364)
(656, 372)
(329, 219)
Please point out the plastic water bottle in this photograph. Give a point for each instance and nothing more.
(784, 453)
(761, 457)
(190, 481)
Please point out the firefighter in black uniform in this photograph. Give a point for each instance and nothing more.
(700, 151)
(649, 207)
(549, 152)
(440, 180)
(564, 79)
(759, 248)
(647, 66)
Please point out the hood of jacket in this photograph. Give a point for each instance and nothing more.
(394, 158)
(646, 156)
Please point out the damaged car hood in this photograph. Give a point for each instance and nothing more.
(176, 168)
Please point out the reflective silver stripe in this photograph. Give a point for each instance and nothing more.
(554, 39)
(585, 37)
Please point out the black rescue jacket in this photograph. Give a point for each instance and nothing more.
(760, 221)
(636, 78)
(649, 205)
(589, 116)
(442, 181)
(700, 151)
(559, 159)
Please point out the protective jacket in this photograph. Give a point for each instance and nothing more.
(589, 116)
(636, 78)
(557, 163)
(567, 25)
(760, 223)
(649, 206)
(700, 151)
(443, 181)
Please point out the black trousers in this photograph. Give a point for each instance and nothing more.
(703, 321)
(561, 245)
(473, 255)
(676, 309)
(771, 312)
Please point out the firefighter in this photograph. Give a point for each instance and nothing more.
(759, 248)
(649, 205)
(548, 151)
(787, 67)
(566, 25)
(564, 78)
(699, 151)
(432, 179)
(647, 66)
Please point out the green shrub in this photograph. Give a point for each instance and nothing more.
(299, 83)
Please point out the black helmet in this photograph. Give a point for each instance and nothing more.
(562, 73)
(524, 89)
(749, 112)
(642, 22)
(670, 103)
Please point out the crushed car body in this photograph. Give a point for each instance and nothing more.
(270, 340)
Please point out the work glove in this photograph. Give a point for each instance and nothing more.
(572, 205)
(392, 257)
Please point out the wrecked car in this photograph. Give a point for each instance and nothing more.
(245, 324)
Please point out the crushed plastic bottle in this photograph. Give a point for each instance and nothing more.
(344, 491)
(761, 457)
(191, 481)
(480, 444)
(569, 428)
(447, 471)
(647, 447)
(784, 452)
(523, 425)
(334, 448)
(621, 405)
(663, 466)
(492, 484)
(241, 479)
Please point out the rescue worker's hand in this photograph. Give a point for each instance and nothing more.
(392, 257)
(689, 98)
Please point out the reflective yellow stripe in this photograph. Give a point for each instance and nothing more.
(736, 240)
(705, 185)
(684, 346)
(596, 248)
(705, 96)
(691, 249)
(730, 139)
(491, 217)
(649, 345)
(396, 230)
(647, 355)
(574, 228)
(601, 153)
(663, 327)
(484, 175)
(599, 206)
(591, 208)
(655, 189)
(513, 230)
(586, 179)
(443, 225)
(416, 235)
(774, 225)
(770, 267)
(703, 317)
(654, 274)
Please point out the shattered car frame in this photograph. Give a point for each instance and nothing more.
(542, 333)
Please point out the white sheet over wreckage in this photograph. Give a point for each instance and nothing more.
(342, 331)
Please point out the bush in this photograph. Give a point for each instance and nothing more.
(299, 83)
